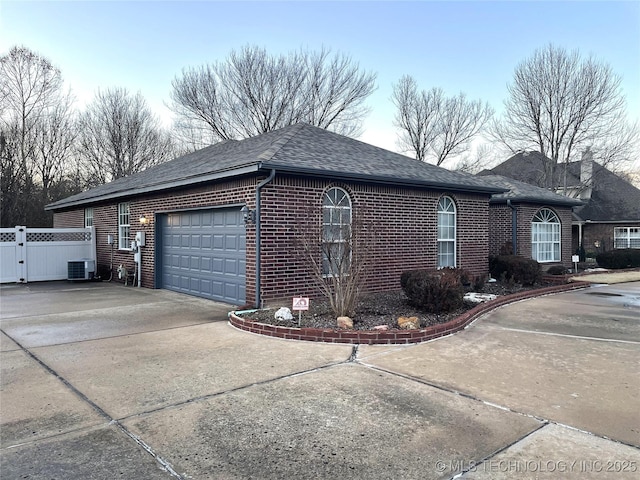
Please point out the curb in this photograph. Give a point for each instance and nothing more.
(394, 337)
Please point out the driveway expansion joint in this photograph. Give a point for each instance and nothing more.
(165, 465)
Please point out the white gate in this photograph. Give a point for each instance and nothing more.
(39, 254)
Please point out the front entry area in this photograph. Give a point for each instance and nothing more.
(203, 253)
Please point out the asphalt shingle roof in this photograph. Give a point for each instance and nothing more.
(612, 198)
(524, 192)
(300, 149)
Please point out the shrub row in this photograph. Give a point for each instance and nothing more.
(525, 271)
(623, 258)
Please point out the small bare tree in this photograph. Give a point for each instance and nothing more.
(338, 258)
(252, 92)
(433, 126)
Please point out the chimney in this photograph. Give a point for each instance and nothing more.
(586, 174)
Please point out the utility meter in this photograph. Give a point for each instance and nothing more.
(140, 239)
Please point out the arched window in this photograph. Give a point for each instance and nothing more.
(545, 236)
(446, 233)
(336, 231)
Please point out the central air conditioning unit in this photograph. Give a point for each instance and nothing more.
(83, 269)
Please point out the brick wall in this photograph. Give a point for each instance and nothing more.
(599, 232)
(404, 220)
(500, 229)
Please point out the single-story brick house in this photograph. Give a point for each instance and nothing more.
(200, 239)
(609, 214)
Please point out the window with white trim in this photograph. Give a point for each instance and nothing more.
(626, 237)
(545, 236)
(446, 233)
(124, 226)
(336, 231)
(88, 217)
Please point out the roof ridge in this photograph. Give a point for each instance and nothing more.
(276, 146)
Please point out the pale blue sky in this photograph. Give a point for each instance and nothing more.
(471, 47)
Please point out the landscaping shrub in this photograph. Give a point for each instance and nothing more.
(525, 271)
(434, 291)
(557, 270)
(623, 258)
(479, 283)
(460, 273)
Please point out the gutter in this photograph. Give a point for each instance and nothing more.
(514, 226)
(258, 191)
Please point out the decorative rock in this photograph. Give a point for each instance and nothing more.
(345, 322)
(408, 323)
(283, 314)
(381, 327)
(479, 297)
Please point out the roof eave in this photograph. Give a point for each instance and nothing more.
(130, 192)
(531, 199)
(611, 221)
(379, 179)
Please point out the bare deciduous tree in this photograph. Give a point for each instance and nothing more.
(560, 103)
(37, 125)
(476, 160)
(252, 92)
(120, 136)
(433, 126)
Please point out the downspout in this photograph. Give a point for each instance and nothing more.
(514, 226)
(258, 190)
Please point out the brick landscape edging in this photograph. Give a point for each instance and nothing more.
(393, 337)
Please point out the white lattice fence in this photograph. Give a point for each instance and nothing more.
(39, 254)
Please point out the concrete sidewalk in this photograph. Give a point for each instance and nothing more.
(100, 381)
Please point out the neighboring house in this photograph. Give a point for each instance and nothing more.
(197, 242)
(610, 215)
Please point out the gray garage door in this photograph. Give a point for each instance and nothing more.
(203, 253)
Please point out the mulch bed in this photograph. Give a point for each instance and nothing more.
(378, 309)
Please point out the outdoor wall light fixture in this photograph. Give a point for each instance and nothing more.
(248, 215)
(144, 220)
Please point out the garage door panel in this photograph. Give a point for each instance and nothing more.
(217, 265)
(203, 253)
(205, 264)
(218, 242)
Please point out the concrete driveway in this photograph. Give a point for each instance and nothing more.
(101, 381)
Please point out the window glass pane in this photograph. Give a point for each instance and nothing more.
(446, 232)
(545, 236)
(336, 219)
(88, 217)
(123, 226)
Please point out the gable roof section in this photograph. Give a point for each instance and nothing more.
(527, 167)
(297, 149)
(524, 192)
(613, 199)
